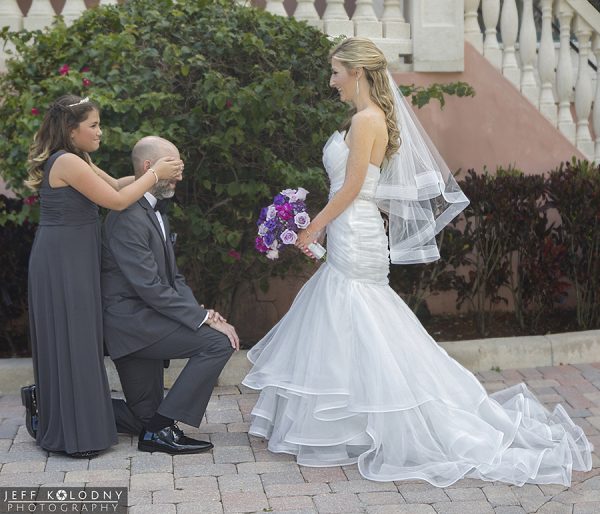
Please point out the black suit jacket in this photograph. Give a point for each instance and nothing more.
(144, 296)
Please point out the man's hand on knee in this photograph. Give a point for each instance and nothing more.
(228, 330)
(213, 315)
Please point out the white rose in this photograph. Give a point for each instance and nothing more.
(301, 193)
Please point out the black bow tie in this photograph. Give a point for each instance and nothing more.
(162, 206)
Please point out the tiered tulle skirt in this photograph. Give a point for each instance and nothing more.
(349, 375)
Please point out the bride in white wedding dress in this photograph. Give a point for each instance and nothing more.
(349, 375)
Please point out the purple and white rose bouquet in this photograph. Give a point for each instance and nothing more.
(279, 223)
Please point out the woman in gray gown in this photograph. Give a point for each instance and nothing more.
(73, 398)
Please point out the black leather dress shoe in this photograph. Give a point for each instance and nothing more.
(184, 439)
(168, 441)
(30, 403)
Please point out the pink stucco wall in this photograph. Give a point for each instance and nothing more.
(497, 127)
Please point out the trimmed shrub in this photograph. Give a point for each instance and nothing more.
(574, 191)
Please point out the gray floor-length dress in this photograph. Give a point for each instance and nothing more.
(65, 318)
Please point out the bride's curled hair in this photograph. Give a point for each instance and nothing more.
(54, 134)
(357, 52)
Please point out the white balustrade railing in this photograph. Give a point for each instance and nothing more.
(381, 20)
(472, 31)
(491, 48)
(509, 28)
(564, 73)
(553, 64)
(596, 112)
(41, 13)
(72, 10)
(39, 16)
(546, 64)
(583, 88)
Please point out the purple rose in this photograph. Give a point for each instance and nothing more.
(302, 219)
(288, 237)
(299, 207)
(271, 211)
(279, 200)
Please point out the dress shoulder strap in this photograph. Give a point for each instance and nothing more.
(48, 165)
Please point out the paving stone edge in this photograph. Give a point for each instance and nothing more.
(475, 354)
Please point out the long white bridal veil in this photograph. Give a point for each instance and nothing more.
(416, 190)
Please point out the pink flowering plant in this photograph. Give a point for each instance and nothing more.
(279, 223)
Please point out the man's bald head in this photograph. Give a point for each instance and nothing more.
(148, 150)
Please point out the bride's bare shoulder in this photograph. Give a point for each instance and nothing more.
(371, 117)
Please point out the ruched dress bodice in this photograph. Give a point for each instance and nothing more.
(357, 245)
(65, 206)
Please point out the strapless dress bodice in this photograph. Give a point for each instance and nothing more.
(335, 158)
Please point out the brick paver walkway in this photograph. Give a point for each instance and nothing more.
(240, 475)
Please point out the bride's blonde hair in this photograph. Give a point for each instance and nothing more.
(357, 52)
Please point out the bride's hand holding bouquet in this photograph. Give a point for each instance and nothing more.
(308, 242)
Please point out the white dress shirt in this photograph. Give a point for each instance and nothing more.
(152, 201)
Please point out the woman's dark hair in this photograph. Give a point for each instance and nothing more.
(63, 116)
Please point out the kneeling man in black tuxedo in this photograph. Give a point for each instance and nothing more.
(151, 315)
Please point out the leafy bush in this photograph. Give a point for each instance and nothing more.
(574, 191)
(485, 236)
(535, 281)
(504, 245)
